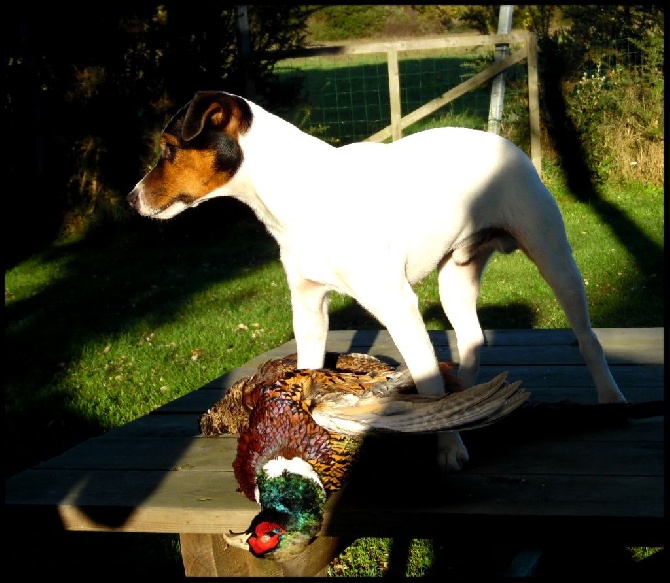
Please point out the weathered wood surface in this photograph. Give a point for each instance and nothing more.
(157, 474)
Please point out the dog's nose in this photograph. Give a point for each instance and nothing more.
(132, 198)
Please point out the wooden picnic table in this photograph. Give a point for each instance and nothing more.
(157, 474)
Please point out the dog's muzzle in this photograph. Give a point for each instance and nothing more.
(136, 200)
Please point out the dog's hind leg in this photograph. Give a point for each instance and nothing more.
(559, 269)
(459, 284)
(551, 252)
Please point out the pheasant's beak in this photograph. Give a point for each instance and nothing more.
(237, 539)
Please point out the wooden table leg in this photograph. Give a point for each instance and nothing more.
(208, 555)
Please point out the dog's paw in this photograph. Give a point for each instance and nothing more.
(612, 396)
(452, 454)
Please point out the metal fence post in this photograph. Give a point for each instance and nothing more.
(498, 88)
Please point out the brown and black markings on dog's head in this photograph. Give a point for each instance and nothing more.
(200, 152)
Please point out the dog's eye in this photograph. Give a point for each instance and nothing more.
(169, 152)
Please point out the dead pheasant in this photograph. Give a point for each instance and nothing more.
(300, 431)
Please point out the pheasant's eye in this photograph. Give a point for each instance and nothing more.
(268, 529)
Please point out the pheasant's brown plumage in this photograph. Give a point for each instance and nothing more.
(274, 412)
(271, 412)
(281, 425)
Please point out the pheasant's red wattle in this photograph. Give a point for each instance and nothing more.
(265, 537)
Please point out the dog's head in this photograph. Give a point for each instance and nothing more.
(200, 153)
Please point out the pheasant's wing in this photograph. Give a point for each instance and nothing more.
(357, 362)
(381, 381)
(477, 406)
(344, 373)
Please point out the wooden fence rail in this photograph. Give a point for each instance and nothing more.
(526, 41)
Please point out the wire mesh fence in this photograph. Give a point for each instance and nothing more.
(345, 98)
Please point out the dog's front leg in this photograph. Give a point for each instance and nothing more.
(414, 343)
(399, 312)
(309, 301)
(452, 454)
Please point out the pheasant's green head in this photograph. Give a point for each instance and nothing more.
(292, 498)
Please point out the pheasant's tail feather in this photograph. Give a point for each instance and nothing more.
(474, 407)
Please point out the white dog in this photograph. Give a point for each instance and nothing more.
(370, 220)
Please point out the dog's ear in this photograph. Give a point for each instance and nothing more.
(205, 107)
(220, 110)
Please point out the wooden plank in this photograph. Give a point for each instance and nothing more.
(639, 345)
(627, 376)
(199, 553)
(216, 454)
(394, 93)
(569, 355)
(153, 426)
(568, 457)
(522, 336)
(524, 564)
(640, 383)
(150, 453)
(651, 339)
(196, 502)
(618, 335)
(130, 501)
(208, 555)
(586, 394)
(535, 354)
(617, 341)
(156, 424)
(442, 42)
(534, 104)
(504, 496)
(546, 383)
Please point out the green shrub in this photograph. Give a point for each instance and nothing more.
(618, 110)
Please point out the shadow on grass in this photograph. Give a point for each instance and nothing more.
(580, 180)
(137, 278)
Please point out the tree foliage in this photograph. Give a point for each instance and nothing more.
(87, 88)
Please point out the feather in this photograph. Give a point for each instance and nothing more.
(474, 407)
